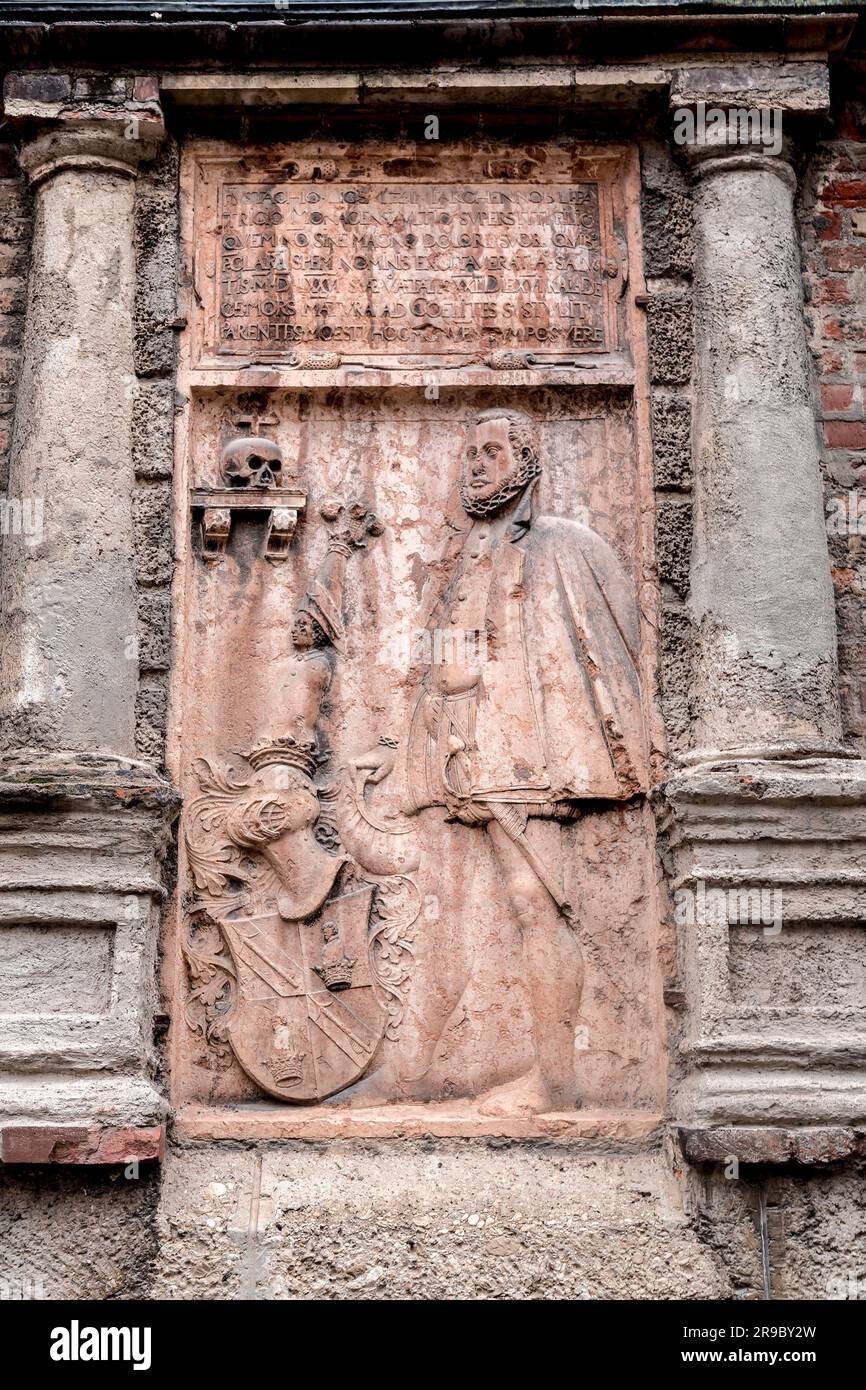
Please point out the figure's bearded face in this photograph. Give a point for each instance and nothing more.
(493, 470)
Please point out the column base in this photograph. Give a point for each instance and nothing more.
(789, 750)
(81, 842)
(95, 1105)
(767, 867)
(756, 1095)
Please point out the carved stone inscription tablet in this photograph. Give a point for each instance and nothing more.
(375, 257)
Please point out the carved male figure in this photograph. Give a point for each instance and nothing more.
(530, 706)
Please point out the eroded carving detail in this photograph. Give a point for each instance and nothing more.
(529, 707)
(340, 257)
(252, 478)
(311, 961)
(214, 984)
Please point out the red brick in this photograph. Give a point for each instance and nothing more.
(860, 364)
(845, 434)
(848, 192)
(828, 226)
(832, 364)
(833, 292)
(81, 1144)
(837, 397)
(852, 331)
(849, 127)
(842, 258)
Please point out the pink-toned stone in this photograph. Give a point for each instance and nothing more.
(73, 1144)
(413, 742)
(456, 1119)
(146, 88)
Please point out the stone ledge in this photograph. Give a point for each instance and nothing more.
(81, 1144)
(601, 84)
(454, 1120)
(753, 1144)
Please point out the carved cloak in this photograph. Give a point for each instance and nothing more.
(557, 716)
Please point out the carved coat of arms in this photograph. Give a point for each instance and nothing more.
(298, 951)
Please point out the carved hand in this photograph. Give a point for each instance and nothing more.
(373, 766)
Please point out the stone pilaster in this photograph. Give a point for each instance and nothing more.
(83, 826)
(763, 829)
(762, 602)
(68, 654)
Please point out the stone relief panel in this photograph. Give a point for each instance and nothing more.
(415, 850)
(413, 705)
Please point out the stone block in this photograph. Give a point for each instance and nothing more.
(78, 1144)
(669, 326)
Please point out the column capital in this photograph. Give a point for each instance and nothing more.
(709, 160)
(737, 117)
(63, 126)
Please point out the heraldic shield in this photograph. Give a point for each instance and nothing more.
(308, 1018)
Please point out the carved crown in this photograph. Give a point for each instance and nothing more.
(287, 1068)
(337, 974)
(284, 752)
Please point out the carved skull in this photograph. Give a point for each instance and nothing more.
(252, 461)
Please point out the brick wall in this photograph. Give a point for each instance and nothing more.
(833, 210)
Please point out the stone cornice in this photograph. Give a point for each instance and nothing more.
(114, 37)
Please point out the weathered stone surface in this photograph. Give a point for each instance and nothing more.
(752, 912)
(427, 1060)
(527, 638)
(669, 326)
(74, 465)
(666, 214)
(45, 966)
(154, 546)
(672, 440)
(153, 428)
(452, 1220)
(154, 630)
(155, 241)
(767, 1045)
(151, 704)
(675, 676)
(761, 595)
(752, 1145)
(104, 1234)
(792, 87)
(67, 1144)
(674, 542)
(412, 255)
